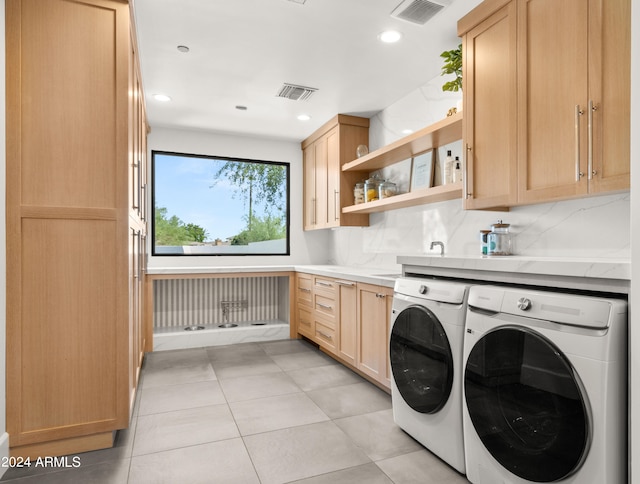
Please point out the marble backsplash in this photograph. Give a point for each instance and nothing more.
(593, 227)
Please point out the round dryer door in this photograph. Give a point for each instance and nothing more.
(421, 360)
(527, 404)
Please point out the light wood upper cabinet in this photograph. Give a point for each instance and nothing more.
(490, 136)
(74, 116)
(326, 188)
(570, 97)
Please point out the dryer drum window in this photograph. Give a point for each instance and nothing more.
(421, 359)
(527, 404)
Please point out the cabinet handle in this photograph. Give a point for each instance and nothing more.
(590, 171)
(304, 289)
(381, 295)
(579, 113)
(467, 193)
(335, 205)
(324, 335)
(313, 200)
(323, 283)
(325, 306)
(346, 283)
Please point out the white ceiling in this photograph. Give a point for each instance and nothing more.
(242, 51)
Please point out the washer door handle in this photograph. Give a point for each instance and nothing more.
(423, 289)
(524, 303)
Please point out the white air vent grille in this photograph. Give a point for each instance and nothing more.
(296, 93)
(419, 11)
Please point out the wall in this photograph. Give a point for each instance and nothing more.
(595, 227)
(306, 247)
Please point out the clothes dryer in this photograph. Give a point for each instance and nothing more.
(544, 387)
(426, 338)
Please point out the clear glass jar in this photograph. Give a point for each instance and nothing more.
(358, 193)
(386, 189)
(499, 239)
(371, 189)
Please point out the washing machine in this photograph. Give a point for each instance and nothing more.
(545, 396)
(425, 354)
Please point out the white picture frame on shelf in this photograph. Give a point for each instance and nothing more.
(422, 171)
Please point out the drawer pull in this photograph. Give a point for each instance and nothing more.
(325, 306)
(323, 283)
(324, 335)
(346, 283)
(304, 289)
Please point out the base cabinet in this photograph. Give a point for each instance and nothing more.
(374, 315)
(348, 320)
(74, 276)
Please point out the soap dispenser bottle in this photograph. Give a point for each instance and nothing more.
(457, 170)
(448, 169)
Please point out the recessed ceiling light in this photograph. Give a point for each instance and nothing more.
(390, 36)
(183, 48)
(304, 117)
(161, 97)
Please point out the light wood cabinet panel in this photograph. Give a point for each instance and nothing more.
(552, 94)
(74, 278)
(326, 188)
(348, 327)
(490, 134)
(374, 313)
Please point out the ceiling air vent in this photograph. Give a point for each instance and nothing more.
(296, 93)
(419, 11)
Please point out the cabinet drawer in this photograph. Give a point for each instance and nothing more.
(305, 322)
(324, 285)
(325, 307)
(303, 290)
(325, 336)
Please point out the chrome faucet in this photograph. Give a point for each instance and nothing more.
(438, 244)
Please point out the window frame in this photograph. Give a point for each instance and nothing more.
(287, 167)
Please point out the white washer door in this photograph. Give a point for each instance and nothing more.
(421, 359)
(527, 404)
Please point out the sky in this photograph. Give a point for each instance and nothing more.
(185, 186)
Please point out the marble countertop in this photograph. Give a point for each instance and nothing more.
(590, 274)
(380, 276)
(606, 275)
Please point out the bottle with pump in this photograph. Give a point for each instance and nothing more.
(457, 170)
(448, 169)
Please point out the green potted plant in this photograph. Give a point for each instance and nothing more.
(452, 65)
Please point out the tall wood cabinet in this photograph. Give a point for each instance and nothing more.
(570, 96)
(75, 241)
(326, 188)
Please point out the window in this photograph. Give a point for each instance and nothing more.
(207, 205)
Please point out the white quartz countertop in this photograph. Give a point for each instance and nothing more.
(380, 276)
(591, 274)
(607, 275)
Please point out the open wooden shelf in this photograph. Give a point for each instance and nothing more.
(417, 197)
(438, 134)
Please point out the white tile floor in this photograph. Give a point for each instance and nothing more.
(272, 412)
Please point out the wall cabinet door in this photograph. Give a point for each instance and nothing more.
(574, 81)
(489, 125)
